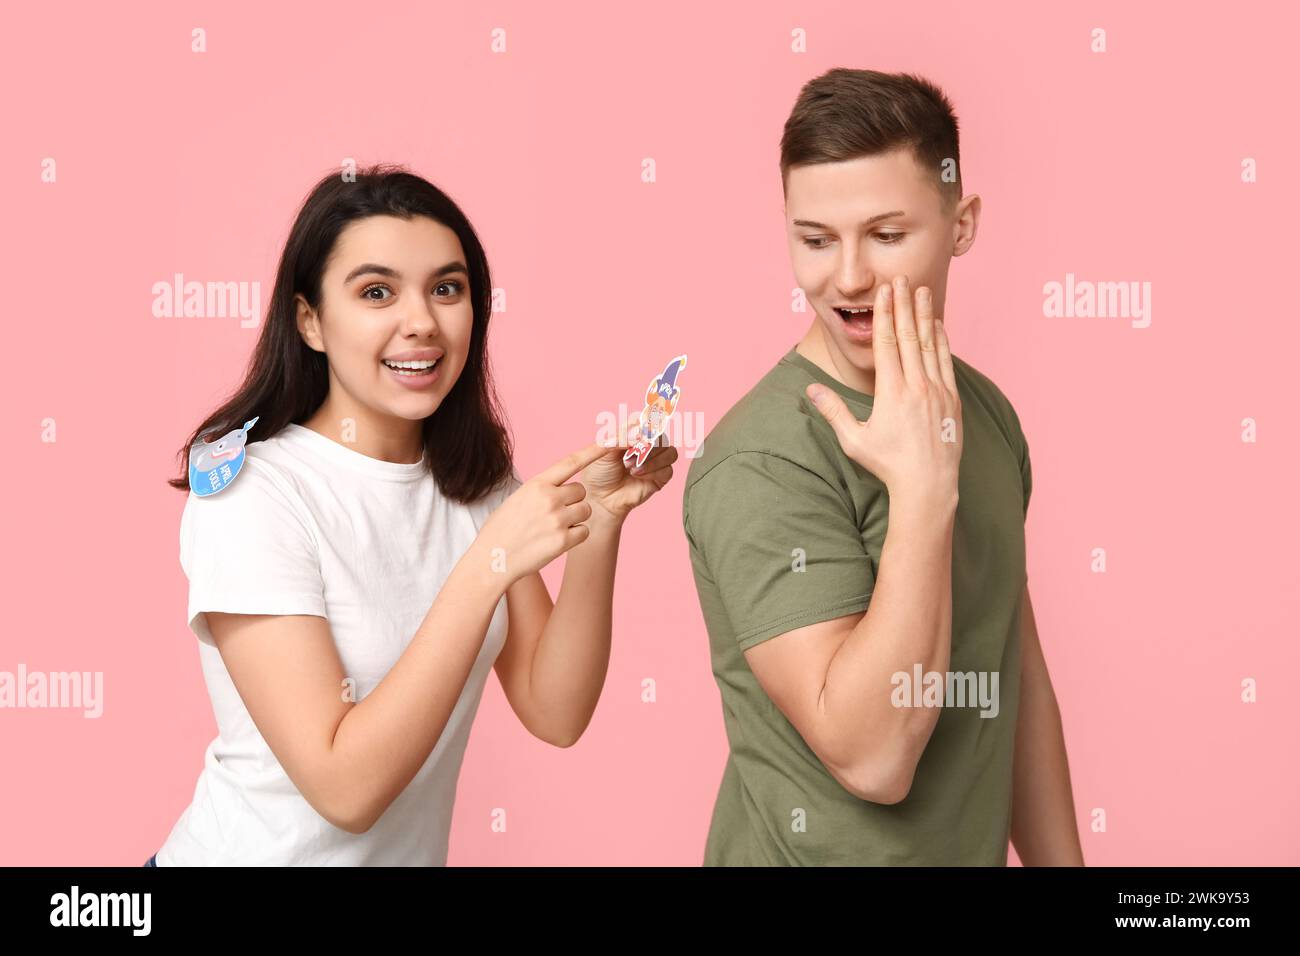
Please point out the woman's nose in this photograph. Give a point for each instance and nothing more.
(421, 321)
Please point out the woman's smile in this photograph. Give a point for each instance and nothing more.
(415, 369)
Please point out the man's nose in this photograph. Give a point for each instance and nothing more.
(853, 273)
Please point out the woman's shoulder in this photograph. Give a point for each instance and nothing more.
(283, 456)
(259, 516)
(282, 471)
(270, 472)
(267, 490)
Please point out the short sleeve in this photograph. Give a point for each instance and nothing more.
(1022, 450)
(1026, 473)
(780, 545)
(249, 549)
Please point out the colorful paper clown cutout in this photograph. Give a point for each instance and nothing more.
(660, 402)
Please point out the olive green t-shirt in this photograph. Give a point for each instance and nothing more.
(784, 531)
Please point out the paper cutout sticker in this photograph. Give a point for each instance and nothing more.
(214, 465)
(660, 402)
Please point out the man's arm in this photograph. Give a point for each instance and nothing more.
(833, 680)
(836, 687)
(1043, 828)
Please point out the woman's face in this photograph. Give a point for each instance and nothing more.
(394, 291)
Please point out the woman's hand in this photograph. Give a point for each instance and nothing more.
(616, 491)
(542, 519)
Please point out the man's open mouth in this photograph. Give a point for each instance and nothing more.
(860, 317)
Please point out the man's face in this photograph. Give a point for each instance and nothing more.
(855, 225)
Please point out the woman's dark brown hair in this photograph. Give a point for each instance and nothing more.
(467, 446)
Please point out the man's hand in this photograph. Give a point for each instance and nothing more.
(912, 441)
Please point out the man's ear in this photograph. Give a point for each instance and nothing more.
(966, 222)
(308, 324)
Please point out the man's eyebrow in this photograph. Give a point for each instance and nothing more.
(876, 218)
(365, 267)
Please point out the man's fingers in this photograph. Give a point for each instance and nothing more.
(925, 332)
(944, 352)
(570, 465)
(833, 409)
(909, 347)
(884, 343)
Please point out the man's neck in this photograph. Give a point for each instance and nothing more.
(827, 356)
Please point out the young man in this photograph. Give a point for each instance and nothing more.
(856, 530)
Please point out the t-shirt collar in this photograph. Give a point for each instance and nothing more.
(794, 357)
(341, 454)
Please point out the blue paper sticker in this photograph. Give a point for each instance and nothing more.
(214, 465)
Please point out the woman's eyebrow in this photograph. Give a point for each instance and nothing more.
(369, 267)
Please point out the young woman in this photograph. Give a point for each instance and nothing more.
(377, 554)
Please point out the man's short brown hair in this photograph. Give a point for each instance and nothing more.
(846, 114)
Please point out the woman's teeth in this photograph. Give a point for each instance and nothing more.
(411, 368)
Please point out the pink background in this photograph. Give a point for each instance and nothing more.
(1122, 166)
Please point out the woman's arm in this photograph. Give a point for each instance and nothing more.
(554, 662)
(350, 760)
(553, 665)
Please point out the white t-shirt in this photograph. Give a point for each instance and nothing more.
(310, 526)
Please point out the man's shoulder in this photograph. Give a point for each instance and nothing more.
(775, 419)
(975, 385)
(976, 382)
